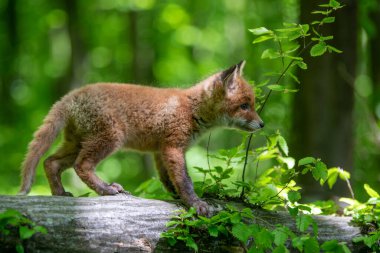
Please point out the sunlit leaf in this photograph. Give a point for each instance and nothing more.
(262, 38)
(306, 160)
(371, 192)
(328, 20)
(260, 31)
(318, 49)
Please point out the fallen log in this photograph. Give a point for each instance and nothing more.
(124, 223)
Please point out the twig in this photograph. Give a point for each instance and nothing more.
(208, 160)
(348, 183)
(245, 163)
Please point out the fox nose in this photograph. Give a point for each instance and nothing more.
(261, 124)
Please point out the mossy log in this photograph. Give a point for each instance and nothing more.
(124, 223)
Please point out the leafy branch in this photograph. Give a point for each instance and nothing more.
(289, 34)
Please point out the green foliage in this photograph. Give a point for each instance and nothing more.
(367, 216)
(275, 187)
(292, 41)
(13, 222)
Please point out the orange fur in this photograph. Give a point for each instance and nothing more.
(102, 118)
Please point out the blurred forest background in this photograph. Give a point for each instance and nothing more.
(50, 47)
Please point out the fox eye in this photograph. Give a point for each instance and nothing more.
(244, 106)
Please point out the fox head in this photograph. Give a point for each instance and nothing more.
(238, 100)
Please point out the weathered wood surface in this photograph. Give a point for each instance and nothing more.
(125, 223)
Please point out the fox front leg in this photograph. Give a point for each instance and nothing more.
(174, 161)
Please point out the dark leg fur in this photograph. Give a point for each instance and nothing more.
(174, 161)
(164, 176)
(54, 166)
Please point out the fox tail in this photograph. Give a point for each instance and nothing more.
(43, 139)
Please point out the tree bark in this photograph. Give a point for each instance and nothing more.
(125, 223)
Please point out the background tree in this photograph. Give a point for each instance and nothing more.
(50, 47)
(323, 119)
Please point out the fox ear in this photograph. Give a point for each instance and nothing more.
(229, 76)
(241, 66)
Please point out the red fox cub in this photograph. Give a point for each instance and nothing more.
(99, 119)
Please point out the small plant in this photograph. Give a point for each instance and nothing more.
(367, 216)
(14, 223)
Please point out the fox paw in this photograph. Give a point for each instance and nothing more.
(202, 208)
(113, 189)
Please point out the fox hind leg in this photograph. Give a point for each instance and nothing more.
(93, 151)
(55, 164)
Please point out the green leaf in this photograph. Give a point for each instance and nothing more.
(289, 161)
(330, 245)
(270, 54)
(294, 196)
(213, 231)
(311, 245)
(26, 233)
(276, 87)
(223, 230)
(328, 20)
(371, 240)
(294, 77)
(344, 175)
(280, 236)
(10, 213)
(172, 223)
(297, 243)
(191, 243)
(293, 211)
(318, 49)
(303, 222)
(301, 64)
(264, 238)
(345, 249)
(218, 169)
(371, 192)
(320, 171)
(235, 218)
(260, 31)
(324, 38)
(306, 160)
(334, 4)
(283, 145)
(280, 249)
(262, 38)
(241, 232)
(333, 49)
(322, 12)
(40, 229)
(19, 248)
(332, 177)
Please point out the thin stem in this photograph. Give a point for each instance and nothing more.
(257, 167)
(348, 184)
(208, 161)
(281, 52)
(208, 156)
(245, 163)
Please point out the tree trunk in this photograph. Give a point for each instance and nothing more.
(8, 53)
(125, 223)
(323, 109)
